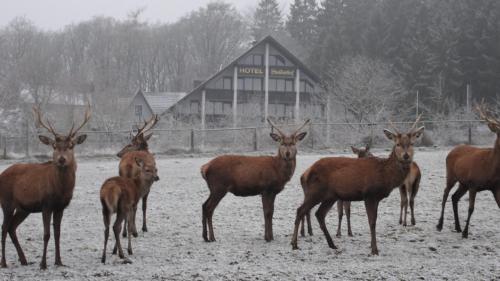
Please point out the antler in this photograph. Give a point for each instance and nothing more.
(483, 113)
(414, 126)
(148, 125)
(39, 121)
(300, 128)
(393, 127)
(85, 120)
(274, 126)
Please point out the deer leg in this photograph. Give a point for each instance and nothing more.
(320, 215)
(472, 200)
(130, 229)
(7, 219)
(124, 228)
(340, 211)
(46, 214)
(204, 209)
(462, 189)
(132, 222)
(268, 207)
(18, 218)
(371, 210)
(117, 229)
(212, 204)
(107, 220)
(57, 234)
(309, 226)
(404, 203)
(308, 204)
(449, 185)
(347, 207)
(144, 208)
(302, 227)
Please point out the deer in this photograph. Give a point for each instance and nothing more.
(251, 176)
(41, 187)
(139, 142)
(341, 205)
(369, 179)
(475, 169)
(120, 195)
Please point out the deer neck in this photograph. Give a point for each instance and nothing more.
(495, 155)
(394, 171)
(65, 176)
(285, 167)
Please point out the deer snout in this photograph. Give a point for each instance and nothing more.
(287, 154)
(406, 156)
(61, 161)
(156, 178)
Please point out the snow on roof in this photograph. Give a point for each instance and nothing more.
(160, 102)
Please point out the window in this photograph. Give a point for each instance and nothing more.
(195, 107)
(227, 108)
(138, 111)
(209, 108)
(248, 84)
(257, 84)
(289, 110)
(253, 60)
(218, 108)
(241, 83)
(276, 60)
(289, 85)
(280, 110)
(280, 85)
(306, 86)
(228, 83)
(272, 85)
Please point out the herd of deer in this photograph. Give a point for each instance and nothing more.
(48, 187)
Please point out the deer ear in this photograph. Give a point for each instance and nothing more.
(275, 137)
(139, 162)
(46, 140)
(354, 150)
(417, 133)
(80, 139)
(300, 136)
(390, 135)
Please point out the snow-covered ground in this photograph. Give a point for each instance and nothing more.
(173, 249)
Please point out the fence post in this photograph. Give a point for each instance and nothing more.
(312, 135)
(255, 139)
(27, 136)
(4, 147)
(192, 140)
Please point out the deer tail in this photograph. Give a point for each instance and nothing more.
(204, 170)
(111, 198)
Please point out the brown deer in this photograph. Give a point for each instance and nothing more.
(250, 176)
(368, 179)
(475, 169)
(341, 205)
(120, 195)
(46, 187)
(139, 142)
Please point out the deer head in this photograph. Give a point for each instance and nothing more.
(403, 142)
(287, 149)
(149, 173)
(63, 145)
(484, 114)
(139, 142)
(362, 152)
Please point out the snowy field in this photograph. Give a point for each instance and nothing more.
(173, 249)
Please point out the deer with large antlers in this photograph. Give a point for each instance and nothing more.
(46, 188)
(250, 176)
(475, 169)
(368, 179)
(127, 167)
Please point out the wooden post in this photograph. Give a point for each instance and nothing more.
(235, 97)
(266, 83)
(297, 95)
(311, 135)
(203, 99)
(255, 140)
(416, 106)
(27, 136)
(4, 147)
(192, 140)
(469, 113)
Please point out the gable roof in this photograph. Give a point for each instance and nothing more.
(160, 102)
(268, 39)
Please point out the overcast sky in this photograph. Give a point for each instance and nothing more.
(55, 14)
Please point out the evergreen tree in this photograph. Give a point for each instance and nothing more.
(267, 19)
(302, 21)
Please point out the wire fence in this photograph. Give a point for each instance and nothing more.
(320, 136)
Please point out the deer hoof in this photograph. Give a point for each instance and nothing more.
(135, 234)
(130, 252)
(350, 234)
(144, 229)
(4, 264)
(43, 265)
(375, 252)
(465, 234)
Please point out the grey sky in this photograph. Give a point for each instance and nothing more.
(55, 14)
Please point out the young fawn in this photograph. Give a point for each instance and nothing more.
(120, 195)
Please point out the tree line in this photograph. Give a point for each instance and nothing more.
(374, 48)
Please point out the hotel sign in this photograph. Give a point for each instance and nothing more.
(286, 72)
